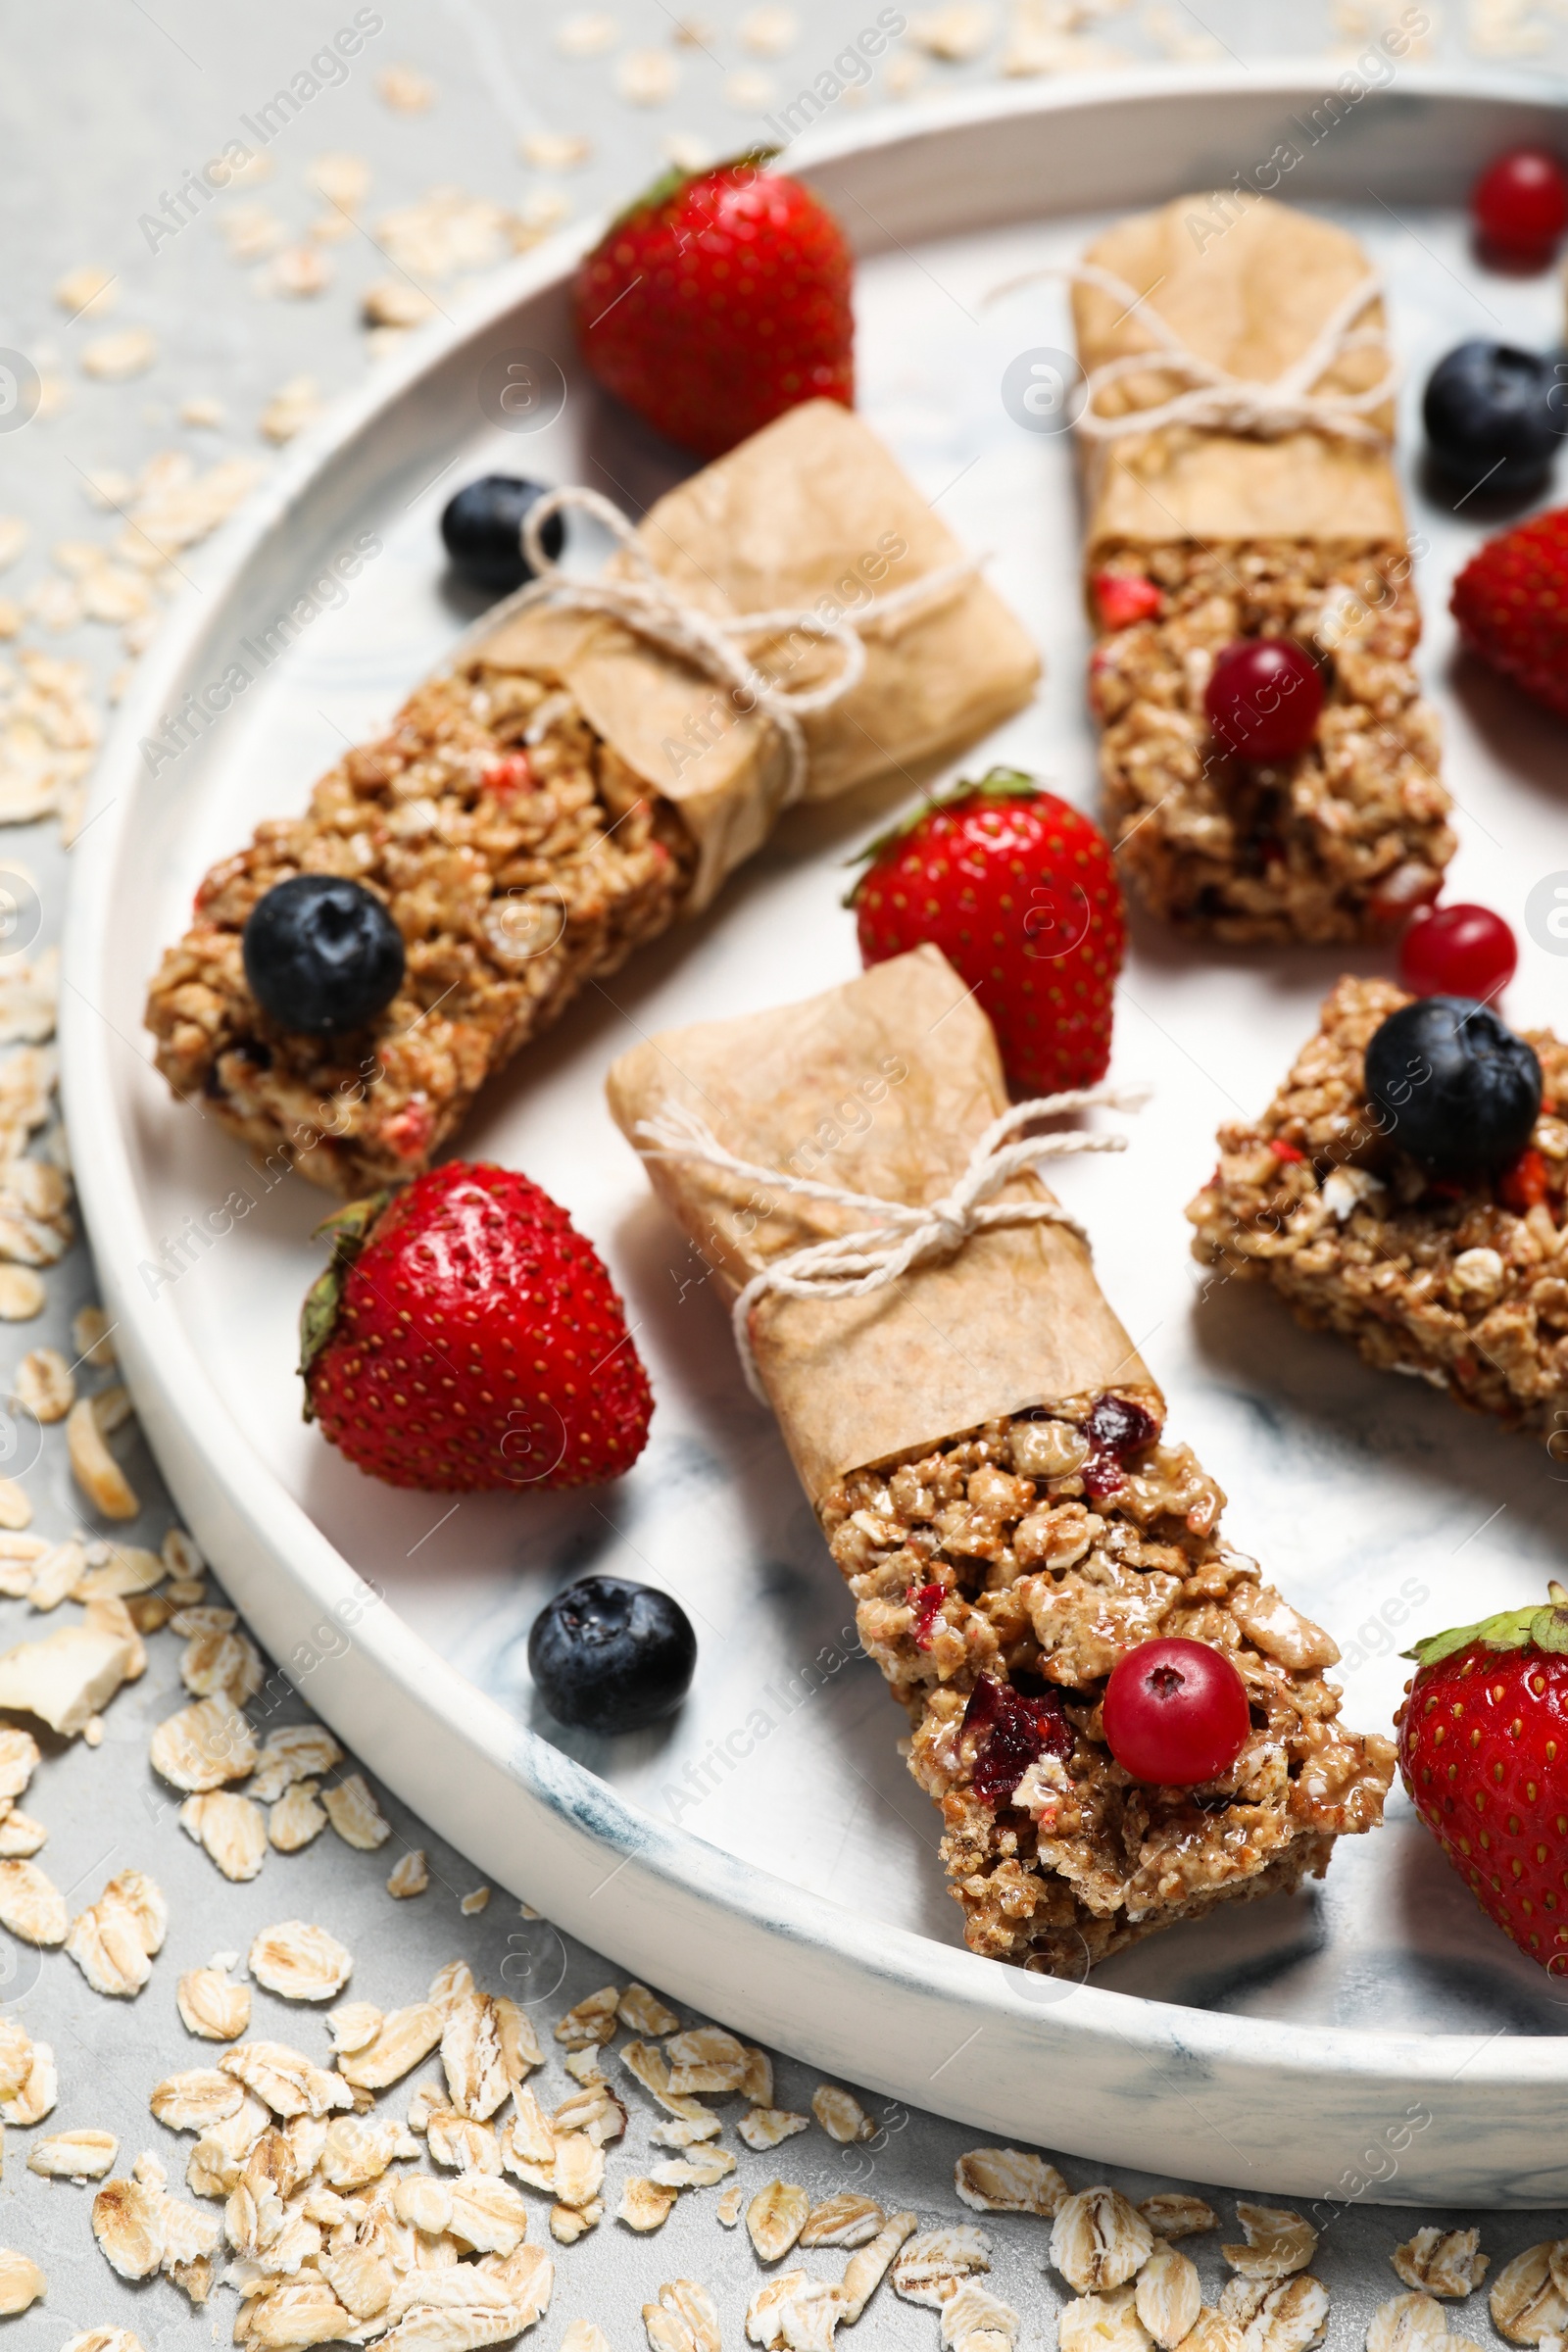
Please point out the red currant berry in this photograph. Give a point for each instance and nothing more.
(1520, 205)
(1457, 952)
(1175, 1713)
(1264, 696)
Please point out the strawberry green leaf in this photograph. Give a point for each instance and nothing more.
(350, 1228)
(668, 185)
(1514, 1628)
(996, 784)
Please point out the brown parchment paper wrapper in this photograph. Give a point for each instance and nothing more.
(1250, 296)
(811, 507)
(883, 1086)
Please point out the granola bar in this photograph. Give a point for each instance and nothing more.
(578, 782)
(991, 1559)
(1335, 843)
(515, 876)
(1463, 1284)
(1238, 527)
(987, 1460)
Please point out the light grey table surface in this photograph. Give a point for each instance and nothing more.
(107, 106)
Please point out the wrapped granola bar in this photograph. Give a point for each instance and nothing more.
(987, 1456)
(571, 785)
(1260, 505)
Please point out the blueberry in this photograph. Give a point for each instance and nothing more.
(322, 954)
(1456, 1089)
(607, 1656)
(1490, 418)
(482, 529)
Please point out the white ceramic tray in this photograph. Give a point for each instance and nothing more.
(767, 1859)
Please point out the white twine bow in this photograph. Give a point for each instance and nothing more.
(900, 1234)
(1216, 401)
(651, 606)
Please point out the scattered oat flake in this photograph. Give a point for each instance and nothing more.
(776, 2217)
(195, 2100)
(18, 1761)
(16, 2056)
(405, 89)
(299, 1962)
(1527, 2304)
(1412, 2323)
(284, 2080)
(846, 2220)
(592, 2019)
(685, 2318)
(94, 1468)
(294, 406)
(20, 1834)
(1437, 2262)
(705, 2058)
(1098, 2241)
(73, 2155)
(15, 1507)
(211, 2006)
(584, 2336)
(203, 1747)
(643, 2012)
(700, 2168)
(929, 2268)
(109, 1943)
(795, 2310)
(115, 357)
(37, 2096)
(129, 2225)
(223, 1664)
(300, 272)
(1001, 2180)
(475, 1902)
(1278, 2242)
(766, 2127)
(355, 1814)
(296, 1752)
(647, 77)
(407, 2037)
(1167, 2297)
(956, 33)
(32, 1905)
(22, 2282)
(21, 1295)
(342, 178)
(770, 32)
(202, 410)
(14, 537)
(840, 2114)
(589, 33)
(296, 1817)
(410, 1875)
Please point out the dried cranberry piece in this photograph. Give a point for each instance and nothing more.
(1115, 1429)
(1014, 1731)
(926, 1602)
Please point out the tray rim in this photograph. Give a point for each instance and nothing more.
(230, 1497)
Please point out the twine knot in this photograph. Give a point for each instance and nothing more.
(899, 1234)
(1213, 400)
(648, 604)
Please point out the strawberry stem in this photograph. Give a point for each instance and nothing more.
(668, 185)
(1512, 1629)
(996, 784)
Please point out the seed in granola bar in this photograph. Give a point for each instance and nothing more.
(1175, 1712)
(322, 954)
(1013, 1731)
(1455, 1086)
(481, 529)
(611, 1655)
(1264, 698)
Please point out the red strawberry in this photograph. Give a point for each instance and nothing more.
(717, 301)
(465, 1337)
(1484, 1754)
(1512, 603)
(1020, 894)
